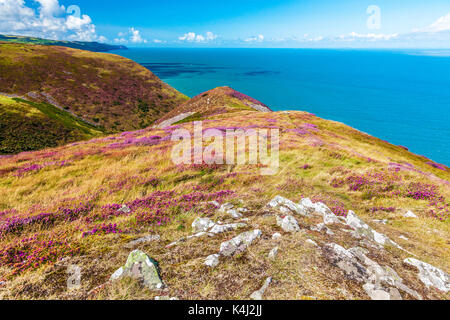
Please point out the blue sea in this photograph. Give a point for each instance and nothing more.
(399, 96)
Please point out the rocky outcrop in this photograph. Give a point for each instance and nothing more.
(287, 206)
(430, 275)
(239, 244)
(288, 224)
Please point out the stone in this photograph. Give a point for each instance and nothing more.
(273, 253)
(222, 228)
(235, 214)
(321, 227)
(345, 260)
(258, 295)
(380, 293)
(240, 243)
(212, 260)
(214, 203)
(409, 214)
(124, 209)
(141, 267)
(330, 218)
(287, 206)
(202, 224)
(288, 224)
(403, 238)
(307, 205)
(430, 275)
(142, 240)
(276, 236)
(225, 207)
(166, 298)
(354, 222)
(312, 242)
(384, 221)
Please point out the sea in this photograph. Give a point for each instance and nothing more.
(402, 96)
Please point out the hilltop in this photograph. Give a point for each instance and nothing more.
(111, 92)
(82, 45)
(346, 216)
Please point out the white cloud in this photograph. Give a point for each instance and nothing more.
(353, 36)
(258, 38)
(193, 37)
(440, 25)
(49, 20)
(131, 36)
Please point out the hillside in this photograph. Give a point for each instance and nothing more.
(112, 92)
(216, 101)
(27, 126)
(375, 210)
(82, 45)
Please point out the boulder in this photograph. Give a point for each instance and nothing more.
(287, 206)
(141, 267)
(240, 243)
(346, 261)
(410, 214)
(258, 295)
(212, 260)
(430, 275)
(288, 224)
(202, 225)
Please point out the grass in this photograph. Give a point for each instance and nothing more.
(107, 172)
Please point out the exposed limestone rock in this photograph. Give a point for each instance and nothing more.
(321, 227)
(365, 230)
(379, 293)
(345, 260)
(430, 275)
(384, 221)
(124, 209)
(288, 224)
(225, 207)
(221, 228)
(410, 214)
(145, 239)
(276, 236)
(286, 206)
(240, 243)
(312, 242)
(273, 253)
(202, 225)
(258, 295)
(142, 267)
(404, 238)
(235, 214)
(330, 218)
(212, 260)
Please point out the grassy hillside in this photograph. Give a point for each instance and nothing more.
(216, 101)
(107, 90)
(26, 126)
(62, 207)
(82, 45)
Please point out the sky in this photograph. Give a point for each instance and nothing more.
(234, 23)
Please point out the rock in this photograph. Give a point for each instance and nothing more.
(214, 203)
(288, 224)
(234, 214)
(346, 261)
(321, 227)
(404, 238)
(225, 207)
(273, 253)
(365, 230)
(242, 210)
(240, 243)
(124, 209)
(258, 295)
(202, 224)
(384, 221)
(276, 236)
(409, 214)
(222, 228)
(142, 267)
(287, 206)
(379, 293)
(212, 260)
(430, 275)
(307, 205)
(166, 298)
(330, 218)
(145, 239)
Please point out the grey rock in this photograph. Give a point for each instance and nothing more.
(212, 260)
(141, 267)
(345, 260)
(235, 214)
(124, 209)
(288, 224)
(287, 206)
(276, 236)
(202, 225)
(312, 242)
(240, 243)
(258, 295)
(142, 240)
(410, 214)
(222, 228)
(321, 227)
(273, 253)
(381, 293)
(430, 275)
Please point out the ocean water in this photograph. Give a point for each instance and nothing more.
(399, 96)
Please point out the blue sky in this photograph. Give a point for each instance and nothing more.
(232, 23)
